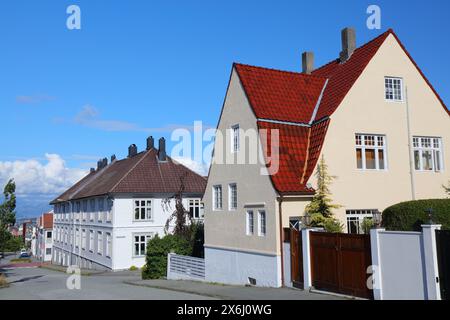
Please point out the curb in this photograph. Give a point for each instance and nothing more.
(177, 290)
(83, 273)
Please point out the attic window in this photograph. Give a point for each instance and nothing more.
(393, 89)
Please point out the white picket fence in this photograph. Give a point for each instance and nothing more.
(185, 268)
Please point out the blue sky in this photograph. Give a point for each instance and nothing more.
(141, 67)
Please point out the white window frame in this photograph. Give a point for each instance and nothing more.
(146, 207)
(375, 146)
(77, 238)
(100, 243)
(420, 146)
(235, 138)
(250, 218)
(108, 245)
(139, 242)
(83, 239)
(262, 223)
(217, 197)
(91, 240)
(101, 208)
(232, 203)
(192, 205)
(394, 93)
(358, 215)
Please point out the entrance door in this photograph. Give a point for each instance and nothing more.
(443, 252)
(296, 258)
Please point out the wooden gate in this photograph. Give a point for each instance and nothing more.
(339, 263)
(443, 255)
(296, 258)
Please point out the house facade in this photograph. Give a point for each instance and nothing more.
(381, 127)
(43, 238)
(105, 220)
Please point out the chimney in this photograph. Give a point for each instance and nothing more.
(132, 151)
(348, 36)
(307, 62)
(162, 156)
(113, 158)
(104, 163)
(92, 170)
(99, 164)
(150, 143)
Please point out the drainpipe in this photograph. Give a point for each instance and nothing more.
(280, 201)
(410, 152)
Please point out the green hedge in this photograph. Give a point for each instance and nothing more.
(409, 216)
(157, 251)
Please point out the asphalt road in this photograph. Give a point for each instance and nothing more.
(38, 283)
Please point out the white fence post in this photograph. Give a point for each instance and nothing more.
(431, 262)
(376, 263)
(168, 265)
(306, 251)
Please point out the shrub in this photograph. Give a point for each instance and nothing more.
(330, 224)
(409, 216)
(196, 234)
(133, 268)
(3, 282)
(157, 251)
(367, 224)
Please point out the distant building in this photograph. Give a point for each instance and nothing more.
(43, 241)
(105, 220)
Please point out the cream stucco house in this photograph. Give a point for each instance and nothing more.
(381, 127)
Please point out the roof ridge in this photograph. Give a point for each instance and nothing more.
(146, 153)
(389, 31)
(281, 71)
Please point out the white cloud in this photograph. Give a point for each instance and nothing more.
(200, 168)
(33, 177)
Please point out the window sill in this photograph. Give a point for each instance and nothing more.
(143, 220)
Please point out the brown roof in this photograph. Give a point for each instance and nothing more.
(142, 173)
(45, 221)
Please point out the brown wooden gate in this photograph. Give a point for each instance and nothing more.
(296, 258)
(339, 263)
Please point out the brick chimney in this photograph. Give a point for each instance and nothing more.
(132, 151)
(113, 158)
(150, 143)
(162, 156)
(307, 62)
(348, 37)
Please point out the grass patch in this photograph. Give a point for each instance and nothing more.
(21, 260)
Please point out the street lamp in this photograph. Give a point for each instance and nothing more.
(429, 211)
(376, 216)
(306, 220)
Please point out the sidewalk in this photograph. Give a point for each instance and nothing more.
(84, 272)
(228, 292)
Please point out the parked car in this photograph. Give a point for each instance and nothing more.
(24, 254)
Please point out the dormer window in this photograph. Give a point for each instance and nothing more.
(393, 89)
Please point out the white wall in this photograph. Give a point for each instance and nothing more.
(235, 267)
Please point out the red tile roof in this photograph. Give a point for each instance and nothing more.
(45, 221)
(143, 173)
(292, 98)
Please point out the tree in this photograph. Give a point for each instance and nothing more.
(321, 207)
(447, 189)
(7, 212)
(180, 215)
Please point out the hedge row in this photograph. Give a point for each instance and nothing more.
(409, 216)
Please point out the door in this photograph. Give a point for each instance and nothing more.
(296, 258)
(443, 256)
(339, 263)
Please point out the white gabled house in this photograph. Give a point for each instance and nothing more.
(105, 220)
(42, 244)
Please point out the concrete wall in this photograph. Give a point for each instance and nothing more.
(235, 267)
(365, 110)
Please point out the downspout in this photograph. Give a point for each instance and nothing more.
(410, 152)
(280, 200)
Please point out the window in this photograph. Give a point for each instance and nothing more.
(195, 208)
(83, 239)
(99, 242)
(235, 138)
(101, 208)
(108, 210)
(91, 241)
(91, 209)
(232, 195)
(77, 238)
(140, 244)
(427, 154)
(217, 197)
(393, 89)
(142, 210)
(262, 223)
(49, 234)
(355, 219)
(48, 251)
(108, 245)
(250, 223)
(370, 152)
